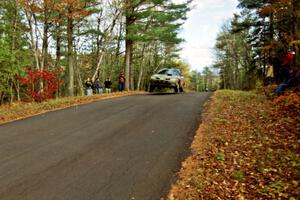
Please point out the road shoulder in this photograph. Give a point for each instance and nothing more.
(245, 148)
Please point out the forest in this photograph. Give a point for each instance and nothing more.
(50, 47)
(264, 32)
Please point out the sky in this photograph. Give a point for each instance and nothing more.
(201, 29)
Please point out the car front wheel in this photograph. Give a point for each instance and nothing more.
(181, 89)
(176, 88)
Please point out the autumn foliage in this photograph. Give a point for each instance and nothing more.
(247, 147)
(289, 103)
(41, 84)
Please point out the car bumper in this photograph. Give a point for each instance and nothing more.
(163, 83)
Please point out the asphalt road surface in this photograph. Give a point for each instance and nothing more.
(122, 149)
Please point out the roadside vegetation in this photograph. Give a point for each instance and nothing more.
(19, 110)
(247, 147)
(85, 39)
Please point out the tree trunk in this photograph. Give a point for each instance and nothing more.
(46, 26)
(14, 30)
(295, 25)
(138, 87)
(132, 72)
(128, 43)
(270, 59)
(103, 42)
(141, 69)
(98, 66)
(45, 44)
(11, 94)
(58, 52)
(34, 43)
(58, 43)
(128, 53)
(17, 88)
(70, 55)
(14, 47)
(78, 78)
(116, 60)
(98, 42)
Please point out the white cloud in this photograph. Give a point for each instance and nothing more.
(197, 57)
(201, 29)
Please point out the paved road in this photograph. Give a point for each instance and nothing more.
(123, 148)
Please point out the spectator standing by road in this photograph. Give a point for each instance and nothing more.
(269, 74)
(88, 87)
(294, 80)
(287, 79)
(107, 85)
(287, 63)
(98, 86)
(121, 82)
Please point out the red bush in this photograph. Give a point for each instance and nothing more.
(41, 84)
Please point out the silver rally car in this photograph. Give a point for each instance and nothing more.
(167, 78)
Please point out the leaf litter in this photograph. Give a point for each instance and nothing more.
(247, 147)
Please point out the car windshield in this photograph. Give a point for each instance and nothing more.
(165, 71)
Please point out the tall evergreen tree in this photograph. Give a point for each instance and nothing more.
(153, 20)
(274, 27)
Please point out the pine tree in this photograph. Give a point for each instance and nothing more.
(155, 20)
(274, 26)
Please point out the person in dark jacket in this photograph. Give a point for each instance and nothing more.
(107, 85)
(97, 85)
(121, 82)
(88, 87)
(287, 63)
